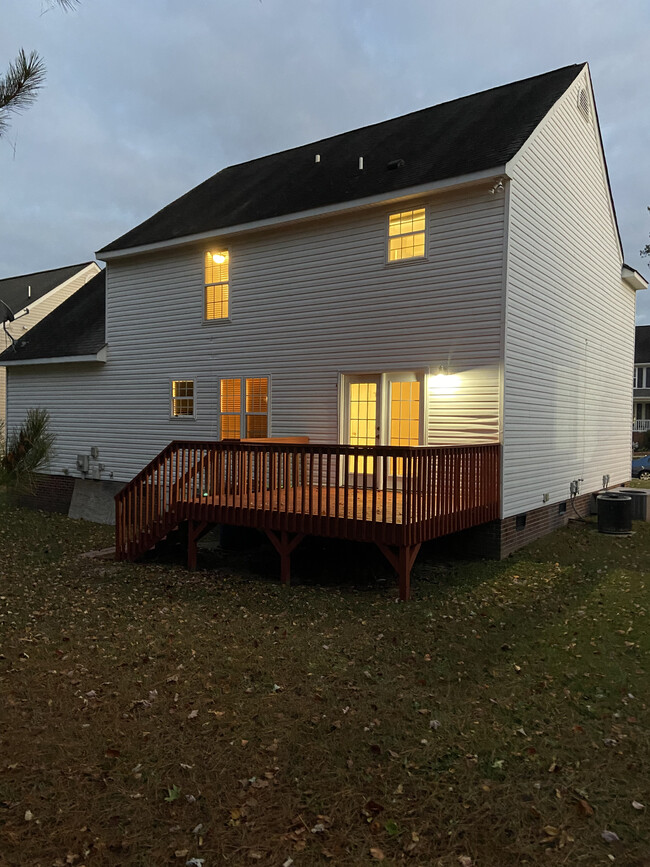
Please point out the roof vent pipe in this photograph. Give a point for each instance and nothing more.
(29, 291)
(360, 163)
(395, 164)
(317, 158)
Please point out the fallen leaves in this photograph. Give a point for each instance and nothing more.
(585, 808)
(543, 755)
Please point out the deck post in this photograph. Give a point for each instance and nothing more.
(284, 546)
(402, 562)
(195, 529)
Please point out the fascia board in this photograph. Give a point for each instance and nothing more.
(633, 279)
(64, 359)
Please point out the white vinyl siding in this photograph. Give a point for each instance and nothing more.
(313, 300)
(569, 318)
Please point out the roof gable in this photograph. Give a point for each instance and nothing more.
(18, 292)
(456, 138)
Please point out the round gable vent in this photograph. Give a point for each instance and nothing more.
(583, 103)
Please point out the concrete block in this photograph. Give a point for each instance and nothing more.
(94, 500)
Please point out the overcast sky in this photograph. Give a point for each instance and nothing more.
(146, 98)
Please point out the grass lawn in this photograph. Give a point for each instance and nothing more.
(150, 716)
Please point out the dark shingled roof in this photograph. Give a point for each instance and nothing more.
(14, 290)
(642, 345)
(76, 327)
(470, 134)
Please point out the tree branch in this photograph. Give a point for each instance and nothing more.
(20, 84)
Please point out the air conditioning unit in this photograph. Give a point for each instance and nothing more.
(640, 501)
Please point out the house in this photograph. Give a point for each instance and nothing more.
(641, 412)
(406, 330)
(27, 299)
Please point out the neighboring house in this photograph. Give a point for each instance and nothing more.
(641, 414)
(444, 291)
(30, 298)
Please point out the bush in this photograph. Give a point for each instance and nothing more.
(27, 451)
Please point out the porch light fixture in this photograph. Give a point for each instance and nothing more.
(444, 383)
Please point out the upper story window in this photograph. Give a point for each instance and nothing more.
(642, 377)
(406, 233)
(182, 398)
(217, 267)
(244, 408)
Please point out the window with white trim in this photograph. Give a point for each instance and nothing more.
(182, 398)
(406, 235)
(217, 285)
(244, 405)
(642, 377)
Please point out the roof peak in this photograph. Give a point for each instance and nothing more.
(412, 114)
(469, 134)
(48, 271)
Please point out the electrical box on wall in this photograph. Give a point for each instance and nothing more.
(83, 462)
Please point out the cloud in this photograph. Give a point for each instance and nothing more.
(144, 100)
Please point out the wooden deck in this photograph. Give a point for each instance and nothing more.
(394, 497)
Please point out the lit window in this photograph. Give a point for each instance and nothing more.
(406, 235)
(248, 418)
(405, 414)
(182, 398)
(217, 291)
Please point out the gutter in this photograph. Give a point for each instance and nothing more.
(311, 214)
(100, 356)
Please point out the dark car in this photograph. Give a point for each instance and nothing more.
(641, 467)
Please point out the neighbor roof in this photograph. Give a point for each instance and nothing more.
(642, 345)
(15, 291)
(76, 327)
(456, 138)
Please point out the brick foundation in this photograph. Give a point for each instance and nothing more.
(51, 494)
(540, 522)
(498, 539)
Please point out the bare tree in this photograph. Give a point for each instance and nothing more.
(646, 249)
(23, 79)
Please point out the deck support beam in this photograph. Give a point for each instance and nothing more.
(284, 545)
(402, 561)
(195, 529)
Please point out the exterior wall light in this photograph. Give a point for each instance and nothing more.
(444, 383)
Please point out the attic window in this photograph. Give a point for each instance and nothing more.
(406, 235)
(583, 103)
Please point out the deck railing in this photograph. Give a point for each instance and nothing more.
(385, 494)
